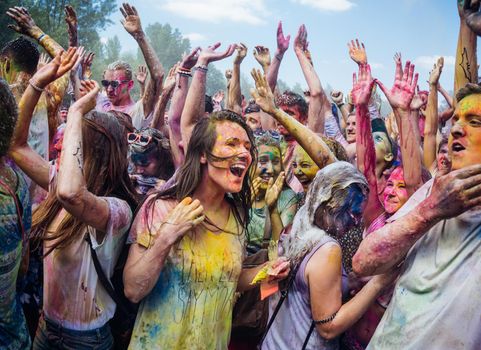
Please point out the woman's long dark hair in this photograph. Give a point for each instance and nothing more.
(189, 175)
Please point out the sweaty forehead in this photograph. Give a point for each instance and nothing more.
(117, 74)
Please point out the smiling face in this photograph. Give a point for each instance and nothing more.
(465, 139)
(395, 193)
(304, 167)
(269, 164)
(230, 157)
(351, 128)
(122, 92)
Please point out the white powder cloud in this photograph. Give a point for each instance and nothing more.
(328, 5)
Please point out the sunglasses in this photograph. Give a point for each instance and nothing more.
(274, 134)
(139, 139)
(113, 83)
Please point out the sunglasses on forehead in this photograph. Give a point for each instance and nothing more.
(274, 134)
(139, 139)
(113, 83)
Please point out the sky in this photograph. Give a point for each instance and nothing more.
(421, 30)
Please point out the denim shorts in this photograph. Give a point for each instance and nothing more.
(51, 335)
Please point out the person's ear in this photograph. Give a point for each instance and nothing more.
(389, 157)
(130, 85)
(203, 159)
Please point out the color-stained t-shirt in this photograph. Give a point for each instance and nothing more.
(134, 110)
(287, 199)
(13, 328)
(437, 300)
(190, 307)
(73, 295)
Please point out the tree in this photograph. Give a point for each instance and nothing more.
(111, 50)
(5, 33)
(215, 81)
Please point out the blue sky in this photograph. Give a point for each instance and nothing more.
(420, 29)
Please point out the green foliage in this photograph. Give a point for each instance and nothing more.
(215, 81)
(5, 33)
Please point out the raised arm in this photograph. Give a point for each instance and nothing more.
(366, 153)
(431, 126)
(451, 195)
(282, 46)
(318, 102)
(158, 118)
(141, 77)
(26, 25)
(26, 158)
(263, 56)
(338, 98)
(177, 104)
(234, 92)
(194, 105)
(132, 25)
(466, 65)
(156, 231)
(309, 140)
(72, 26)
(400, 97)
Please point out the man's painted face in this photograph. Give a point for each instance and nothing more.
(232, 158)
(465, 139)
(254, 121)
(382, 146)
(7, 70)
(395, 193)
(269, 164)
(443, 161)
(294, 112)
(351, 128)
(62, 115)
(146, 164)
(121, 92)
(304, 167)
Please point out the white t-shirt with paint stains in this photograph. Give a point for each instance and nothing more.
(73, 295)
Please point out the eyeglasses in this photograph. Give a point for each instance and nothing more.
(139, 139)
(113, 83)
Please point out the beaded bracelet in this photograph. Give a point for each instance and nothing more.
(202, 68)
(35, 87)
(326, 320)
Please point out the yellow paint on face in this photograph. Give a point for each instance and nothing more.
(304, 167)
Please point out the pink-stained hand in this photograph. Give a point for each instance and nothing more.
(362, 85)
(209, 54)
(357, 52)
(189, 60)
(300, 41)
(282, 41)
(402, 92)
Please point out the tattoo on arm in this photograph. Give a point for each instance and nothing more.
(465, 65)
(79, 156)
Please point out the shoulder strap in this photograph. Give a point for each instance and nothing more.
(290, 282)
(104, 280)
(306, 341)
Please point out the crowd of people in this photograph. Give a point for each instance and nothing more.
(271, 221)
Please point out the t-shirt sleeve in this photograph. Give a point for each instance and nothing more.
(139, 120)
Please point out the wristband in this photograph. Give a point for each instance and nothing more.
(279, 57)
(202, 68)
(42, 36)
(35, 87)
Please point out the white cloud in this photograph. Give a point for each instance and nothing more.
(194, 36)
(376, 65)
(328, 5)
(427, 62)
(251, 12)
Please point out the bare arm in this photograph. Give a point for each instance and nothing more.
(338, 98)
(282, 46)
(263, 56)
(451, 195)
(158, 119)
(309, 140)
(366, 153)
(26, 25)
(234, 91)
(72, 24)
(431, 125)
(194, 105)
(133, 26)
(141, 77)
(155, 236)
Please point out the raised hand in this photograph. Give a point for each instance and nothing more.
(131, 21)
(218, 97)
(300, 41)
(141, 74)
(470, 12)
(88, 90)
(417, 102)
(209, 54)
(255, 188)
(404, 87)
(61, 64)
(262, 93)
(399, 65)
(170, 80)
(282, 41)
(228, 74)
(241, 53)
(189, 61)
(81, 56)
(436, 72)
(263, 56)
(43, 60)
(357, 52)
(362, 85)
(87, 65)
(71, 20)
(337, 97)
(273, 190)
(186, 215)
(25, 23)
